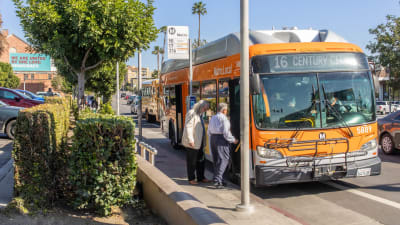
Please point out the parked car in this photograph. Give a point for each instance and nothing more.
(382, 107)
(8, 118)
(131, 99)
(389, 132)
(135, 106)
(31, 95)
(395, 107)
(15, 98)
(123, 95)
(46, 93)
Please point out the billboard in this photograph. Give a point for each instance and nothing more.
(30, 62)
(178, 42)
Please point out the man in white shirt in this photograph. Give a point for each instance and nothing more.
(220, 139)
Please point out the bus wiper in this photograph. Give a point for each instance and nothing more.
(337, 113)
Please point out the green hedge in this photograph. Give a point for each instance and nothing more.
(102, 162)
(39, 156)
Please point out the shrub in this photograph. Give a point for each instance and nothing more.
(102, 162)
(106, 109)
(38, 153)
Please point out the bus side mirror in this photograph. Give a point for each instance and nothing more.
(255, 86)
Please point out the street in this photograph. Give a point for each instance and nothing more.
(366, 200)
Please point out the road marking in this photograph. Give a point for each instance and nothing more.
(364, 194)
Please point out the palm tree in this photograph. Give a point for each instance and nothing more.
(199, 8)
(157, 51)
(163, 29)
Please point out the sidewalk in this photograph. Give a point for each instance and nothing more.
(222, 201)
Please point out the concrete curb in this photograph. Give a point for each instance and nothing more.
(6, 168)
(170, 201)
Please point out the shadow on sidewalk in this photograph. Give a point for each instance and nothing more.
(202, 215)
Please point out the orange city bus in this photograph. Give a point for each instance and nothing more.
(150, 100)
(312, 114)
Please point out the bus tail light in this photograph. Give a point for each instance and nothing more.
(268, 153)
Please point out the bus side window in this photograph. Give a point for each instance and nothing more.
(166, 96)
(209, 93)
(196, 90)
(172, 97)
(223, 92)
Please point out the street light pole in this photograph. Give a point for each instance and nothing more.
(118, 96)
(140, 94)
(244, 107)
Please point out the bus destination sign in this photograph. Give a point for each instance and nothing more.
(309, 62)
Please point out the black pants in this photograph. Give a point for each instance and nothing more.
(195, 162)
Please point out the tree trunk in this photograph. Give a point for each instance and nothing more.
(162, 57)
(158, 64)
(198, 40)
(81, 89)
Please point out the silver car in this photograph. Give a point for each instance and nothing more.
(8, 119)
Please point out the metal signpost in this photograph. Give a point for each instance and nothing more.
(244, 107)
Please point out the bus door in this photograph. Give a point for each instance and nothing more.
(179, 112)
(234, 111)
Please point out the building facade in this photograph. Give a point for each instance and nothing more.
(132, 75)
(35, 71)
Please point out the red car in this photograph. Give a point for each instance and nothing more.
(14, 98)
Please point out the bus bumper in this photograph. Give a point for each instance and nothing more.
(270, 175)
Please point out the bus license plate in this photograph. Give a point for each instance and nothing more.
(363, 172)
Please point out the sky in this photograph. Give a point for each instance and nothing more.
(350, 19)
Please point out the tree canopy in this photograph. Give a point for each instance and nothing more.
(199, 8)
(386, 44)
(7, 77)
(2, 39)
(102, 81)
(86, 33)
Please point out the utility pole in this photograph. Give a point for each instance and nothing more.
(118, 96)
(244, 108)
(140, 94)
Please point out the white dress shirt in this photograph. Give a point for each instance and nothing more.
(219, 124)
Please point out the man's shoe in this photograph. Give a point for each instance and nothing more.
(218, 185)
(193, 182)
(224, 184)
(205, 180)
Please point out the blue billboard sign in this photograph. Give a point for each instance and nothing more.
(30, 62)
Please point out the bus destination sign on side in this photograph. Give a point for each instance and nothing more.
(309, 62)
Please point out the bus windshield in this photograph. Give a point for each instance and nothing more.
(314, 100)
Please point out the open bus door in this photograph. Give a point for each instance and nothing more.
(179, 112)
(234, 111)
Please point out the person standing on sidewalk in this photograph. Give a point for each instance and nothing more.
(220, 139)
(194, 140)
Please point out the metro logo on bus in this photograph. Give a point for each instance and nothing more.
(218, 71)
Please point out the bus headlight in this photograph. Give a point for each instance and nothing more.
(371, 145)
(268, 153)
